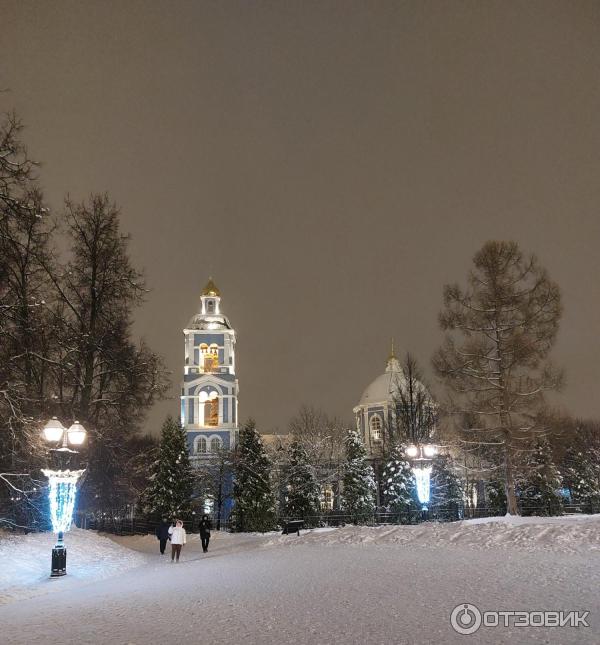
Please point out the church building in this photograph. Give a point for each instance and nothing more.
(209, 393)
(377, 413)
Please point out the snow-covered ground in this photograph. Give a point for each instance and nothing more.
(26, 562)
(573, 534)
(389, 585)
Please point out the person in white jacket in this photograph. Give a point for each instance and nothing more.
(178, 539)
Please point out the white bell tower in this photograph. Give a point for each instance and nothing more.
(209, 392)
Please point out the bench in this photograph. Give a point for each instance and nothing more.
(292, 526)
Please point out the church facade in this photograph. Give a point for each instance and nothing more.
(209, 392)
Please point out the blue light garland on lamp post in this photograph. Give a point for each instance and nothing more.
(421, 456)
(62, 488)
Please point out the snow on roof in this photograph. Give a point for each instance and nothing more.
(383, 388)
(212, 321)
(387, 386)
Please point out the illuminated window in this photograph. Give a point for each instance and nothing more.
(327, 498)
(211, 411)
(210, 357)
(376, 427)
(215, 444)
(200, 445)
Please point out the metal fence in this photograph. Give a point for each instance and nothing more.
(121, 522)
(129, 524)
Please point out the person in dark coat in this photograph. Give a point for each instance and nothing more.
(205, 528)
(162, 533)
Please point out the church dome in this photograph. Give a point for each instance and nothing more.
(211, 289)
(210, 317)
(389, 385)
(385, 387)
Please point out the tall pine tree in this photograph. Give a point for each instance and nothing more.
(254, 501)
(171, 486)
(358, 496)
(399, 485)
(302, 491)
(500, 330)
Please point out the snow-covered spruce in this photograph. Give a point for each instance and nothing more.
(254, 501)
(446, 487)
(302, 497)
(399, 486)
(539, 486)
(171, 483)
(358, 496)
(581, 476)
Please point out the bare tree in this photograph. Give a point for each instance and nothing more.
(414, 413)
(16, 167)
(101, 376)
(24, 233)
(324, 440)
(499, 333)
(322, 437)
(65, 333)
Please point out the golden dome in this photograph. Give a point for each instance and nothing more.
(211, 289)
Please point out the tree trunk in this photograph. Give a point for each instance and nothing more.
(220, 499)
(509, 482)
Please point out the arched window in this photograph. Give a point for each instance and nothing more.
(210, 306)
(200, 445)
(209, 357)
(215, 444)
(376, 427)
(211, 409)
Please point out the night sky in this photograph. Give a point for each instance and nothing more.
(331, 164)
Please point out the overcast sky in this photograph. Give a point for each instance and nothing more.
(331, 164)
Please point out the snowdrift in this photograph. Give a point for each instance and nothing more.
(570, 534)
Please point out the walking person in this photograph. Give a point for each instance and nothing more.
(178, 539)
(162, 534)
(205, 528)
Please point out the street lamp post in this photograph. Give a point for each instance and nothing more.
(62, 480)
(421, 456)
